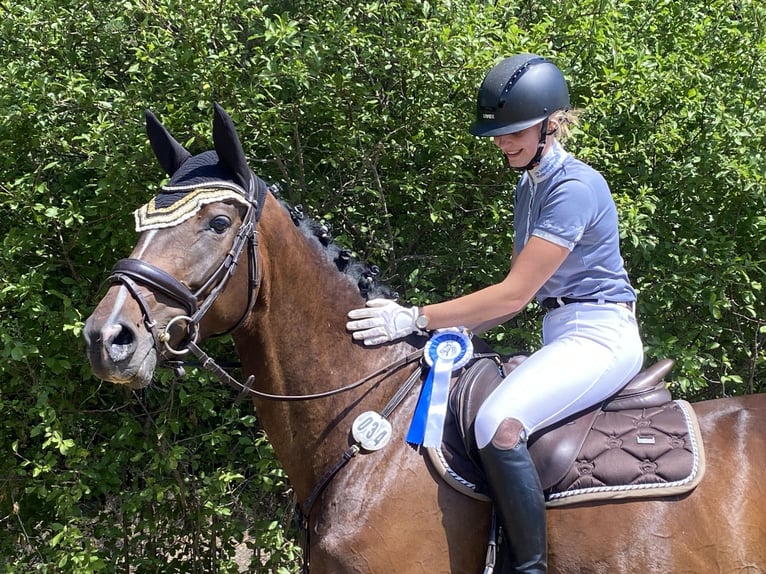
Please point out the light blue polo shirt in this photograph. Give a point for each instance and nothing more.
(569, 203)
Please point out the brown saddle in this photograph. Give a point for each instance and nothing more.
(553, 449)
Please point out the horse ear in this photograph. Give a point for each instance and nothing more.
(169, 152)
(229, 148)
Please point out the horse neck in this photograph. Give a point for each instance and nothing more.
(296, 343)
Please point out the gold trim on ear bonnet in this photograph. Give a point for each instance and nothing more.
(160, 213)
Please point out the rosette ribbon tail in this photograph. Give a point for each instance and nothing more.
(446, 352)
(417, 430)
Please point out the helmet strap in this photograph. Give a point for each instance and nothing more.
(535, 161)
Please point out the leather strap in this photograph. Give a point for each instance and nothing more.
(156, 278)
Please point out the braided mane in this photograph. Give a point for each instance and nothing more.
(319, 233)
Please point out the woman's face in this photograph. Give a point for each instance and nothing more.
(520, 147)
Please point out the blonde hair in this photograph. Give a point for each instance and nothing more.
(565, 121)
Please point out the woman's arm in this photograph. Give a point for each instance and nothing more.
(488, 307)
(383, 320)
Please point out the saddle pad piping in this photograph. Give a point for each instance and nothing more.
(442, 467)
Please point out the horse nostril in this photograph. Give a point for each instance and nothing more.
(119, 342)
(124, 337)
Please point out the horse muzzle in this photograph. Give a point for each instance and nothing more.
(120, 353)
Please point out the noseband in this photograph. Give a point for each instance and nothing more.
(131, 272)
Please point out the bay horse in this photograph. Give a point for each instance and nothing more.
(381, 511)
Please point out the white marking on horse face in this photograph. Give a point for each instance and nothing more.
(119, 301)
(143, 244)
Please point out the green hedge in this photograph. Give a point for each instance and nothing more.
(360, 111)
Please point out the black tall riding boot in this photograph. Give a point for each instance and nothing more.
(518, 497)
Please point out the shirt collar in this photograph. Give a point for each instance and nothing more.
(549, 163)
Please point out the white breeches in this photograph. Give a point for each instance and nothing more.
(589, 352)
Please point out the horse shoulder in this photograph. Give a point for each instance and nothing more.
(388, 512)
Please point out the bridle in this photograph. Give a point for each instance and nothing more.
(131, 272)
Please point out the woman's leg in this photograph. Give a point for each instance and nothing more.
(518, 496)
(588, 356)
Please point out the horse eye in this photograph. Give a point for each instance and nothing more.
(220, 224)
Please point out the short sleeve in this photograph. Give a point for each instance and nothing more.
(566, 214)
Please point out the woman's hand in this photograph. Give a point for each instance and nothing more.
(382, 320)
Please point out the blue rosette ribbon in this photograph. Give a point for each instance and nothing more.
(445, 352)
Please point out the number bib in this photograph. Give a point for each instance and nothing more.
(371, 430)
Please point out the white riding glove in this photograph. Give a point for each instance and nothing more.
(382, 320)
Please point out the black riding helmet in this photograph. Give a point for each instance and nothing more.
(519, 92)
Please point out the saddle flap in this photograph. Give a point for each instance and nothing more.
(554, 448)
(470, 392)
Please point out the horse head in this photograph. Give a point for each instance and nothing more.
(179, 282)
(188, 277)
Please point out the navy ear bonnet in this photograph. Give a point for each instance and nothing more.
(195, 181)
(203, 170)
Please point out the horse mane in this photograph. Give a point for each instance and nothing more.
(319, 234)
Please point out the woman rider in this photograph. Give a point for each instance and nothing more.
(566, 254)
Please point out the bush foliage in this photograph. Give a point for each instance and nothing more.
(360, 111)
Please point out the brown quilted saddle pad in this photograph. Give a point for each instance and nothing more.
(638, 443)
